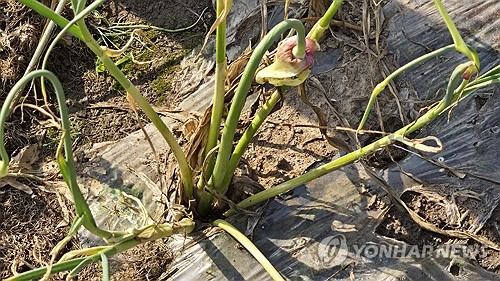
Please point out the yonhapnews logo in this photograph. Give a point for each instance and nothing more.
(334, 250)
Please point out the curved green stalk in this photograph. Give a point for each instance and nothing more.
(324, 22)
(369, 149)
(251, 248)
(299, 51)
(381, 86)
(85, 36)
(454, 81)
(67, 162)
(460, 45)
(238, 101)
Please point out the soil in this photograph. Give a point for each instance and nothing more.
(100, 113)
(31, 225)
(400, 226)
